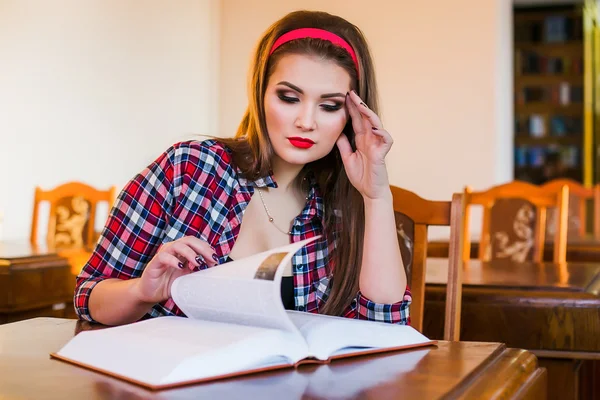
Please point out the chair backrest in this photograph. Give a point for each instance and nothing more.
(579, 196)
(522, 230)
(413, 217)
(72, 213)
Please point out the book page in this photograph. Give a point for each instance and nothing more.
(329, 336)
(244, 292)
(167, 350)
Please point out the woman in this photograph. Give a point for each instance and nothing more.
(308, 159)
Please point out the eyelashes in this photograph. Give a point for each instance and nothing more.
(326, 107)
(287, 99)
(332, 108)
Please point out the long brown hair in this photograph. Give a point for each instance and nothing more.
(252, 149)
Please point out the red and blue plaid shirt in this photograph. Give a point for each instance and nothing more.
(193, 190)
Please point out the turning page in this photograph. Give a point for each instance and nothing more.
(242, 292)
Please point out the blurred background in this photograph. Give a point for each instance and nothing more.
(475, 92)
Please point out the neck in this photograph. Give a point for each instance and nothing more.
(285, 173)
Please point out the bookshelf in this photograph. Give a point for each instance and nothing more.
(549, 93)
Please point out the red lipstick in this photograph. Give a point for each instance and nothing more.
(301, 143)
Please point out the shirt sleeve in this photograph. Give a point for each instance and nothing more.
(396, 313)
(363, 308)
(133, 232)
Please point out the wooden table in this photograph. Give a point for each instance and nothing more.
(449, 370)
(578, 249)
(34, 281)
(550, 309)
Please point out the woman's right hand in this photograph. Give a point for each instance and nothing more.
(173, 260)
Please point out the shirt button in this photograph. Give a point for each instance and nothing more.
(300, 267)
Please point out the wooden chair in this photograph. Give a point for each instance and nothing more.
(578, 197)
(413, 217)
(528, 224)
(72, 214)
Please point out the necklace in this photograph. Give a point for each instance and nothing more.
(271, 220)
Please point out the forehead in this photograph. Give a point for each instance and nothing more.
(311, 73)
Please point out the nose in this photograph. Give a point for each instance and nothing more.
(306, 119)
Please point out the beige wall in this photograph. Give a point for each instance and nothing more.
(94, 90)
(444, 72)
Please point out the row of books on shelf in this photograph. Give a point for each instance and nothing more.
(537, 156)
(551, 29)
(541, 175)
(539, 125)
(532, 62)
(562, 94)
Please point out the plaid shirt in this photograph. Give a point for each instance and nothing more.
(193, 190)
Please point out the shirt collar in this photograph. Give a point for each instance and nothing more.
(314, 204)
(261, 182)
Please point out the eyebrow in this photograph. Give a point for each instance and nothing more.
(297, 89)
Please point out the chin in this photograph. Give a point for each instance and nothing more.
(297, 159)
(300, 157)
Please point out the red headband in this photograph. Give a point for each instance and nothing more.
(315, 33)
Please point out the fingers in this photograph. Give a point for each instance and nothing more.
(384, 135)
(357, 119)
(365, 111)
(191, 252)
(166, 259)
(202, 249)
(344, 146)
(185, 254)
(369, 115)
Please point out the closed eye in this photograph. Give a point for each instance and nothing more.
(326, 107)
(332, 107)
(287, 99)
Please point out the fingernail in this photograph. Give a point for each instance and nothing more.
(214, 256)
(363, 104)
(200, 259)
(180, 265)
(354, 91)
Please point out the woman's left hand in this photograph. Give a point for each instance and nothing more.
(366, 167)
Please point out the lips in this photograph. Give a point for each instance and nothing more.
(301, 143)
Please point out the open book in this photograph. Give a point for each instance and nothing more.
(237, 325)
